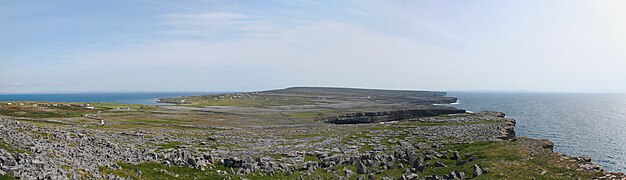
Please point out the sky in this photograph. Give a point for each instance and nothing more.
(206, 45)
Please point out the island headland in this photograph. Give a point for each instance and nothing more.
(293, 133)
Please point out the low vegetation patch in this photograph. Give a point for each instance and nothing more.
(6, 177)
(506, 160)
(154, 170)
(43, 112)
(242, 100)
(9, 148)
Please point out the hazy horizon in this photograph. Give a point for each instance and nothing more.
(257, 90)
(201, 46)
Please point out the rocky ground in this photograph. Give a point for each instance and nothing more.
(127, 146)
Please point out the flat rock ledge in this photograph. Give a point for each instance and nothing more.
(376, 117)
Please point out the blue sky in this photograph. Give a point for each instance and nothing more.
(158, 45)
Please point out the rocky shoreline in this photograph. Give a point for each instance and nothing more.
(72, 152)
(296, 133)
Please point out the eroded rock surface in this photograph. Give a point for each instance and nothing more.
(404, 137)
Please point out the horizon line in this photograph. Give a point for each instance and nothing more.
(244, 91)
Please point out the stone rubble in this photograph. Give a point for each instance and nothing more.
(67, 152)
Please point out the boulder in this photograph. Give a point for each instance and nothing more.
(478, 171)
(421, 167)
(456, 155)
(423, 146)
(348, 172)
(38, 163)
(8, 160)
(413, 176)
(452, 175)
(433, 177)
(461, 175)
(360, 168)
(583, 159)
(192, 162)
(233, 162)
(429, 157)
(440, 164)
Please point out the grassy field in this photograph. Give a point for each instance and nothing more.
(32, 110)
(509, 160)
(244, 100)
(43, 112)
(6, 177)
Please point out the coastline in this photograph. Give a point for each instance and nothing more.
(579, 124)
(506, 134)
(301, 144)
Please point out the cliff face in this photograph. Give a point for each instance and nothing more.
(375, 117)
(507, 130)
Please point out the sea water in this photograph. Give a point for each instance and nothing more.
(592, 125)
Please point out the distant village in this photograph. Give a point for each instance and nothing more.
(87, 106)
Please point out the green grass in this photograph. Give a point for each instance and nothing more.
(366, 148)
(156, 121)
(153, 170)
(120, 105)
(304, 115)
(27, 110)
(276, 156)
(30, 113)
(313, 114)
(506, 160)
(311, 158)
(9, 148)
(6, 177)
(244, 101)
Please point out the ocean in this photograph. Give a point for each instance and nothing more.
(127, 98)
(592, 125)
